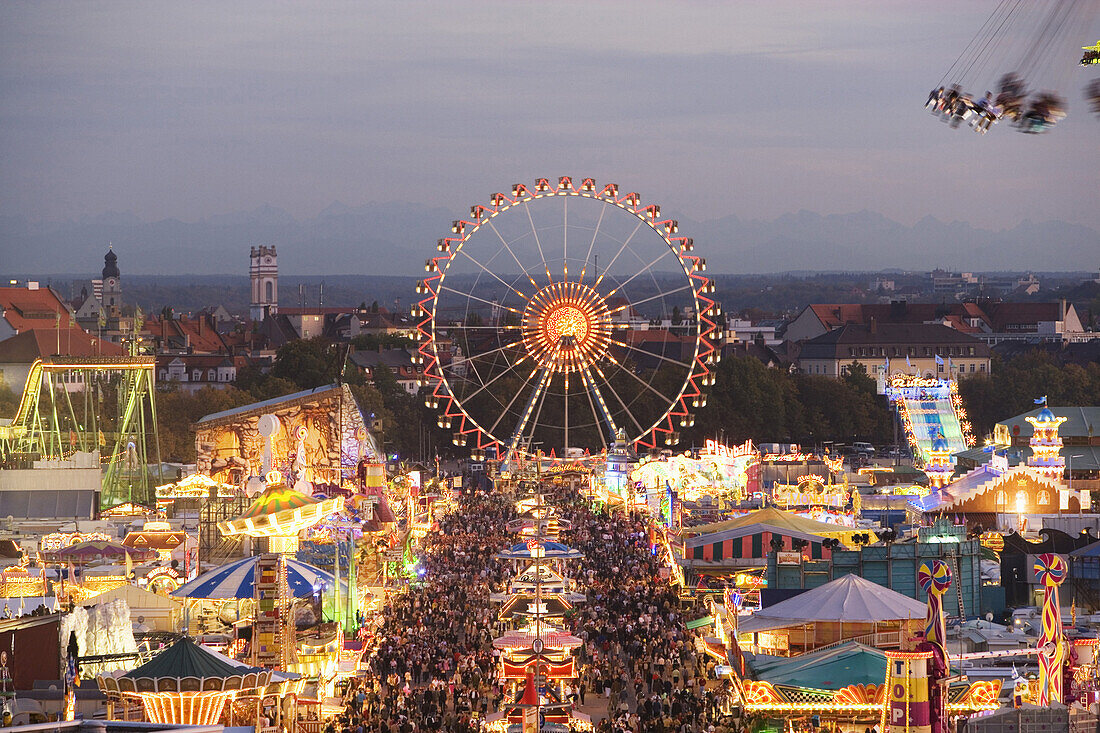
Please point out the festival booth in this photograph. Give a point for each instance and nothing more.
(91, 567)
(721, 548)
(718, 471)
(169, 544)
(814, 497)
(848, 608)
(191, 490)
(843, 686)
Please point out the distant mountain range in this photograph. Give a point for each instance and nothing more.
(395, 238)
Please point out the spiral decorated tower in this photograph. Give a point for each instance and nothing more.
(934, 577)
(1050, 571)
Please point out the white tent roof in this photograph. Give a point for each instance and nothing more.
(135, 597)
(849, 598)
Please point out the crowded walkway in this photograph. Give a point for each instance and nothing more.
(433, 668)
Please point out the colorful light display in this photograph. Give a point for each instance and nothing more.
(718, 471)
(566, 327)
(929, 407)
(1046, 443)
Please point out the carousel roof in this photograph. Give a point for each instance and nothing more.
(277, 498)
(849, 598)
(771, 516)
(235, 581)
(280, 510)
(827, 669)
(185, 658)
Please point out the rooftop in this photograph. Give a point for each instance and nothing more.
(40, 342)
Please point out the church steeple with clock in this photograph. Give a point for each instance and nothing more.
(112, 286)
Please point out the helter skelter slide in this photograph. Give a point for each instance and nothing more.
(930, 409)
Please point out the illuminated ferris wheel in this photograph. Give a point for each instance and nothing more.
(565, 317)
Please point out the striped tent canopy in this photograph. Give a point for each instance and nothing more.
(277, 498)
(235, 581)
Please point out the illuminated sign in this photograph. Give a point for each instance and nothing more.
(714, 449)
(789, 558)
(164, 578)
(60, 540)
(904, 381)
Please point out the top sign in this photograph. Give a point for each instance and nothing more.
(712, 448)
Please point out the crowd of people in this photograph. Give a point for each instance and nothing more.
(651, 669)
(433, 666)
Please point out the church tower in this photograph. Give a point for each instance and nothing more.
(264, 273)
(112, 286)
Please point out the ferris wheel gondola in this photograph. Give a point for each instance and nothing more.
(562, 318)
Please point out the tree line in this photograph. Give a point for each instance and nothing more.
(748, 400)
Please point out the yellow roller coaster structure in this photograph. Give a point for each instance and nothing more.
(86, 404)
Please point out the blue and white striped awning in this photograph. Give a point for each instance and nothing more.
(235, 581)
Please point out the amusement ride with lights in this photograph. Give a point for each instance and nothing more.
(535, 326)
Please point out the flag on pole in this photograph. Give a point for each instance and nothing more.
(939, 360)
(129, 566)
(1041, 401)
(907, 362)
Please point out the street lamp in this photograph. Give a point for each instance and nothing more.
(1069, 478)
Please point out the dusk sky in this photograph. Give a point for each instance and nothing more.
(187, 110)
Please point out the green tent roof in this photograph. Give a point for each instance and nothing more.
(185, 658)
(828, 669)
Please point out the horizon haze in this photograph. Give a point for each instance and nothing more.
(200, 120)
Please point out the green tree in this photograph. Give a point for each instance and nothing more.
(178, 410)
(858, 378)
(309, 363)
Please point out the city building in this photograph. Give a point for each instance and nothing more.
(112, 287)
(192, 372)
(403, 363)
(739, 330)
(198, 335)
(991, 321)
(32, 306)
(927, 349)
(20, 352)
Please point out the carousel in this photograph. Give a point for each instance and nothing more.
(188, 684)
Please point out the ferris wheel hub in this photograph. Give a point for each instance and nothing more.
(565, 326)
